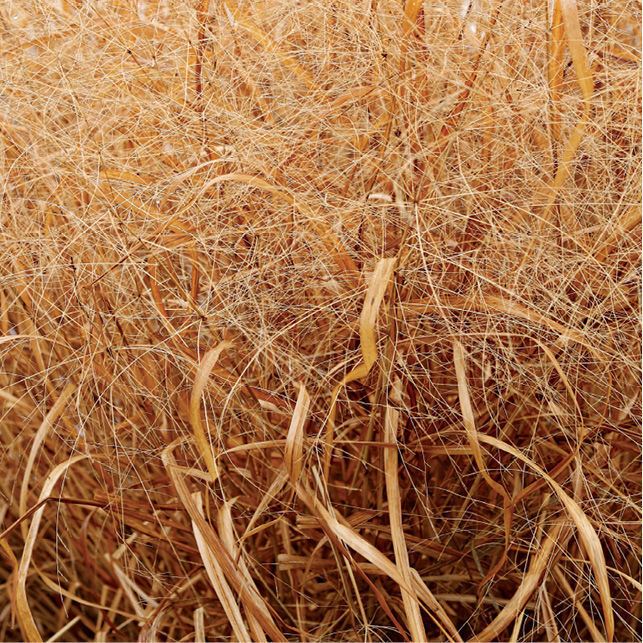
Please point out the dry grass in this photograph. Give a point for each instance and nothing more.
(320, 320)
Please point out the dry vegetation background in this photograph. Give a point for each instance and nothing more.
(320, 320)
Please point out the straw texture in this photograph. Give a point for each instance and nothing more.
(320, 320)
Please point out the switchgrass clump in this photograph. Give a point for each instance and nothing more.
(320, 321)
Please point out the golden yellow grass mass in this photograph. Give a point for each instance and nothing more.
(320, 320)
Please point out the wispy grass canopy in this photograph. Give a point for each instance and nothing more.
(320, 320)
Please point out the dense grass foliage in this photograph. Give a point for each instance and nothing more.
(320, 320)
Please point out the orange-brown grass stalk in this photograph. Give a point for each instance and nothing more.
(320, 320)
